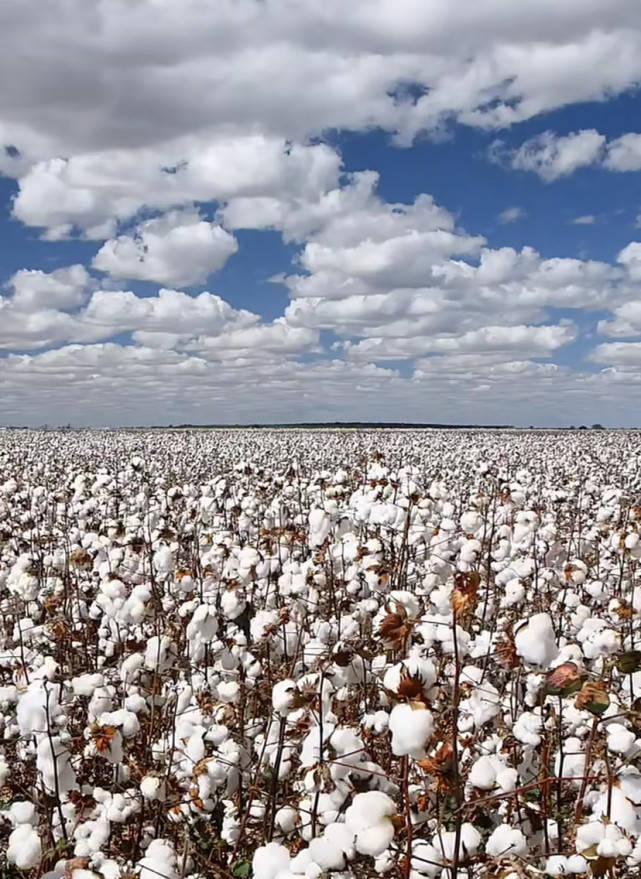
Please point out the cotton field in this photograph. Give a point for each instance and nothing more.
(292, 653)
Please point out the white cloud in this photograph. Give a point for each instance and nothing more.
(243, 62)
(552, 156)
(584, 220)
(624, 153)
(622, 354)
(528, 341)
(511, 215)
(61, 289)
(178, 248)
(93, 190)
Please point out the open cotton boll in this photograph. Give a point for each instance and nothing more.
(24, 848)
(368, 809)
(375, 839)
(535, 640)
(160, 859)
(152, 787)
(159, 654)
(445, 842)
(22, 812)
(483, 773)
(422, 669)
(368, 819)
(411, 730)
(505, 841)
(85, 685)
(53, 762)
(327, 855)
(270, 860)
(284, 695)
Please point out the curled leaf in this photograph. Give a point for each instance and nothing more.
(593, 697)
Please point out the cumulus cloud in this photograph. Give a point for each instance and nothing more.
(62, 289)
(90, 192)
(552, 156)
(178, 248)
(584, 220)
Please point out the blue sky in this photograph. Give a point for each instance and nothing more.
(330, 243)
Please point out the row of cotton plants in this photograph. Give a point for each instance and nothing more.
(290, 654)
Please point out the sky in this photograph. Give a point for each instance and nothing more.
(264, 211)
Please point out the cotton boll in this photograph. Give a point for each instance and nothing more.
(24, 847)
(375, 839)
(54, 765)
(160, 858)
(483, 773)
(411, 730)
(159, 654)
(535, 640)
(620, 740)
(270, 860)
(426, 859)
(229, 691)
(152, 787)
(22, 812)
(368, 819)
(326, 855)
(505, 841)
(284, 695)
(556, 865)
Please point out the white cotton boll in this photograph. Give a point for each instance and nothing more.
(342, 837)
(414, 667)
(483, 773)
(160, 858)
(507, 779)
(158, 654)
(270, 860)
(411, 730)
(152, 787)
(514, 592)
(320, 524)
(326, 855)
(53, 762)
(284, 695)
(426, 860)
(229, 691)
(506, 840)
(471, 521)
(445, 841)
(22, 812)
(620, 739)
(535, 641)
(203, 624)
(286, 819)
(556, 865)
(232, 604)
(24, 847)
(368, 809)
(375, 839)
(85, 685)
